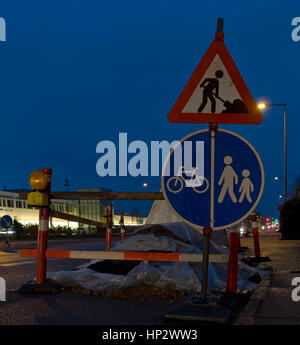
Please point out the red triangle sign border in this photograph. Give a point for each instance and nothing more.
(253, 116)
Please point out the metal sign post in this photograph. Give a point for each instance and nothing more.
(207, 231)
(7, 239)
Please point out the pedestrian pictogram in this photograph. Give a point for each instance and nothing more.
(228, 188)
(246, 187)
(216, 92)
(227, 180)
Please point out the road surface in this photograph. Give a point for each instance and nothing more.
(67, 308)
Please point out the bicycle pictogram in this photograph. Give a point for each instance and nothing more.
(199, 184)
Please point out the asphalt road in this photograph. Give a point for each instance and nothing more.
(67, 308)
(17, 270)
(72, 309)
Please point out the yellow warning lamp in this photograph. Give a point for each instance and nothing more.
(38, 181)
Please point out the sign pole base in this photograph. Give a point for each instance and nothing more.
(207, 232)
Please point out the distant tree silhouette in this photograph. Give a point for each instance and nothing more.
(295, 193)
(19, 229)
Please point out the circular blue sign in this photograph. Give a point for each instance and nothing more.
(6, 222)
(229, 163)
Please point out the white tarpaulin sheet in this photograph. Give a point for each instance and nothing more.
(181, 276)
(161, 213)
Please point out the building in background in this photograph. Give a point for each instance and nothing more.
(12, 205)
(17, 208)
(89, 209)
(133, 218)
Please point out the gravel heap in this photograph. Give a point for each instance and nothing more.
(140, 292)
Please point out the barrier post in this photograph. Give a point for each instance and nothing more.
(44, 214)
(255, 236)
(233, 263)
(122, 225)
(109, 227)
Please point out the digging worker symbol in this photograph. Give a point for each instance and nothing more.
(211, 91)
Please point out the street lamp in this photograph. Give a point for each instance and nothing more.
(263, 106)
(146, 184)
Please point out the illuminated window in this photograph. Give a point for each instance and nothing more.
(10, 203)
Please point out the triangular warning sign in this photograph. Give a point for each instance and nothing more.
(216, 92)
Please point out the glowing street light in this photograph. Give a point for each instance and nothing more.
(261, 105)
(145, 184)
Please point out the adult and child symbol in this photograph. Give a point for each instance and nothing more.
(229, 178)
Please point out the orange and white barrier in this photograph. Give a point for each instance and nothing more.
(114, 255)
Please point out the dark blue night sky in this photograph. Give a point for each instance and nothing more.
(74, 73)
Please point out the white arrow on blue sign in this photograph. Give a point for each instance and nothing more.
(213, 182)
